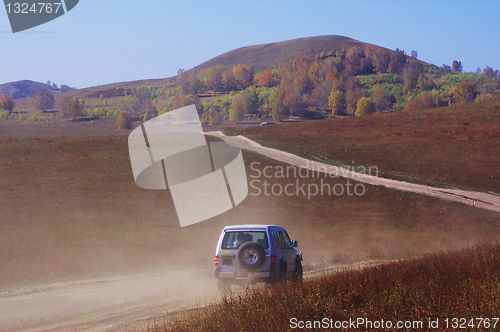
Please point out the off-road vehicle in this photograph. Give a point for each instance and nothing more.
(256, 253)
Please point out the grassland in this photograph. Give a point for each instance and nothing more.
(457, 145)
(442, 286)
(70, 209)
(14, 129)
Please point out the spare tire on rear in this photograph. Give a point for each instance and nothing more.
(251, 256)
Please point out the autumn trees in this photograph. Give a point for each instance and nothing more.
(211, 116)
(300, 83)
(464, 92)
(397, 61)
(141, 101)
(7, 103)
(359, 80)
(242, 104)
(456, 66)
(381, 98)
(365, 106)
(381, 60)
(70, 107)
(124, 120)
(63, 108)
(243, 74)
(76, 107)
(337, 102)
(43, 100)
(217, 79)
(266, 78)
(6, 106)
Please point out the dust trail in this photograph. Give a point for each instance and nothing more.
(98, 305)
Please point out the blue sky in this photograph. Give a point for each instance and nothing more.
(106, 41)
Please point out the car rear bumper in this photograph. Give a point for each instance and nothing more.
(245, 274)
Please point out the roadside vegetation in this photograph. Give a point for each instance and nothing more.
(453, 285)
(71, 210)
(456, 145)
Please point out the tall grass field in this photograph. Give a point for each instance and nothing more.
(455, 291)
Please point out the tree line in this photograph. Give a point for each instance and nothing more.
(347, 82)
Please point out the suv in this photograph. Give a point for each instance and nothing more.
(256, 253)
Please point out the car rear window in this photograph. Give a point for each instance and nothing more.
(233, 240)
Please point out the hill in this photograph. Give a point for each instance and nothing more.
(27, 88)
(262, 57)
(270, 56)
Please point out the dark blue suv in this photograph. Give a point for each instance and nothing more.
(256, 253)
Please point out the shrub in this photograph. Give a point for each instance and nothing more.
(124, 120)
(34, 117)
(365, 106)
(465, 92)
(483, 97)
(4, 114)
(425, 100)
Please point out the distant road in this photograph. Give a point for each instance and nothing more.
(478, 199)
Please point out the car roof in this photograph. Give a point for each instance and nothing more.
(252, 227)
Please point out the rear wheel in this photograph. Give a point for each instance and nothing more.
(251, 256)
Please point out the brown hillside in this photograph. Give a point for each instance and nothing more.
(24, 89)
(268, 56)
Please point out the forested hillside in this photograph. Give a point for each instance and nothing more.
(356, 80)
(313, 78)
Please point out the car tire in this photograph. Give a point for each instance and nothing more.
(282, 278)
(251, 256)
(298, 273)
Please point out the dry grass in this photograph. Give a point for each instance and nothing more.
(461, 284)
(455, 145)
(53, 127)
(70, 209)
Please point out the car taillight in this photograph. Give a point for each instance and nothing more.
(274, 261)
(217, 260)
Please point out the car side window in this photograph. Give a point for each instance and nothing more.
(281, 240)
(277, 240)
(288, 243)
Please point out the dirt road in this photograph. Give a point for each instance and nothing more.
(477, 199)
(114, 304)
